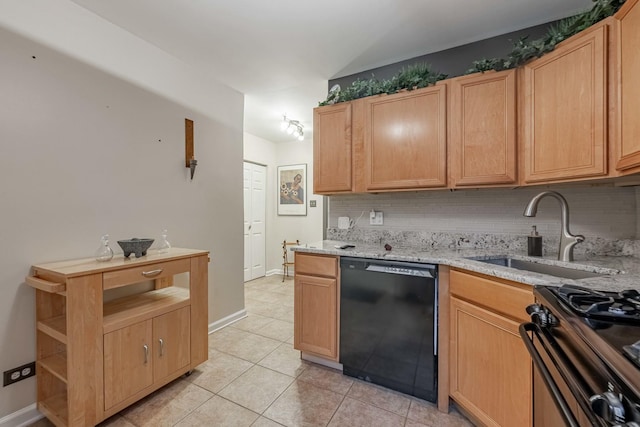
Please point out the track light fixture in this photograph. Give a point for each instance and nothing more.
(292, 127)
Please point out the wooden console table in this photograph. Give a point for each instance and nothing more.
(95, 355)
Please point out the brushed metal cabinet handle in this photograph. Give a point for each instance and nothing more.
(152, 272)
(146, 353)
(161, 347)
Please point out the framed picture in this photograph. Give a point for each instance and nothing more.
(292, 190)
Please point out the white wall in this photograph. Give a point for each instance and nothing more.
(304, 228)
(83, 153)
(77, 32)
(307, 229)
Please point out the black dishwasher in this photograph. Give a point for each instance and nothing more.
(388, 324)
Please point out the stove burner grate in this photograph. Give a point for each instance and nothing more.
(609, 306)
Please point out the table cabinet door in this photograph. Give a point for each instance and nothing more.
(171, 343)
(128, 364)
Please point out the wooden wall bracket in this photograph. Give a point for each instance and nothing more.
(188, 142)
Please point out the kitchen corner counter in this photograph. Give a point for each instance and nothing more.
(628, 278)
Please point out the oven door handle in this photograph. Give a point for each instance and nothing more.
(559, 400)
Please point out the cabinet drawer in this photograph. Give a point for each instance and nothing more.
(500, 296)
(115, 279)
(316, 265)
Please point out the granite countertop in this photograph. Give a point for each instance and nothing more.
(620, 272)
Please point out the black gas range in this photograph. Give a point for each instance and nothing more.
(585, 345)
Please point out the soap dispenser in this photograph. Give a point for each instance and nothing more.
(534, 243)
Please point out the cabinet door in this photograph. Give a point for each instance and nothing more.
(629, 39)
(127, 362)
(565, 110)
(490, 369)
(316, 316)
(405, 142)
(332, 149)
(545, 412)
(171, 333)
(483, 129)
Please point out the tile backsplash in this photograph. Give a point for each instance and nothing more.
(607, 216)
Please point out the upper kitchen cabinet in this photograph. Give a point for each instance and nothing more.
(332, 149)
(482, 124)
(629, 93)
(564, 110)
(405, 141)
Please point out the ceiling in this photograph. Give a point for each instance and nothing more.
(281, 53)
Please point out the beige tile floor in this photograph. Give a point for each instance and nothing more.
(254, 377)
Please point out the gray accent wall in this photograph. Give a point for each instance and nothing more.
(453, 62)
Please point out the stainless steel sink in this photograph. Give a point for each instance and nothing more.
(551, 270)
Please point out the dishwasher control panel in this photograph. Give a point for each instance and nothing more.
(400, 270)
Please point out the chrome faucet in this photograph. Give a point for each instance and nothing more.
(567, 240)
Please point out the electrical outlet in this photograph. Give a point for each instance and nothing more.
(18, 374)
(376, 218)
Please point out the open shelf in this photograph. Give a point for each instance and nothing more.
(57, 365)
(55, 409)
(56, 327)
(126, 311)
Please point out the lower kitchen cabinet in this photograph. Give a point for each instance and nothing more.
(316, 305)
(490, 369)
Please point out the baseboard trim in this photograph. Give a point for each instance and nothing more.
(321, 361)
(226, 321)
(22, 417)
(277, 271)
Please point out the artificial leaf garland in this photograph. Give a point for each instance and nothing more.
(524, 50)
(413, 77)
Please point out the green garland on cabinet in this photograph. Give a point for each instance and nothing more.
(421, 75)
(413, 77)
(524, 50)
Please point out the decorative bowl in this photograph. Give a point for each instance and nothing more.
(135, 246)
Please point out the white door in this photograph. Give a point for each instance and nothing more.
(254, 220)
